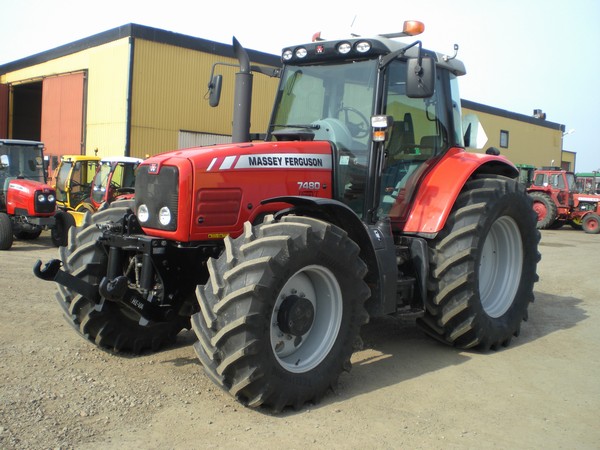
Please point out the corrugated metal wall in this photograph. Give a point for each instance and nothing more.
(188, 139)
(108, 88)
(169, 88)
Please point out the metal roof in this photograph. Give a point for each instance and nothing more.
(138, 32)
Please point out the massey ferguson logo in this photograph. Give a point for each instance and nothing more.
(272, 161)
(153, 168)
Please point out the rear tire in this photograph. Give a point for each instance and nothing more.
(281, 311)
(545, 209)
(6, 232)
(483, 266)
(591, 223)
(107, 324)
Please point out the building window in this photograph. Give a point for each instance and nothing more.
(503, 138)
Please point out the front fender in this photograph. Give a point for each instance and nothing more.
(441, 186)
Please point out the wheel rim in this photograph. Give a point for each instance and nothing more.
(540, 209)
(592, 224)
(301, 348)
(500, 267)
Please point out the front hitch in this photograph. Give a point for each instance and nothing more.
(118, 291)
(53, 272)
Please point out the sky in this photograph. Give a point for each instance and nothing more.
(520, 55)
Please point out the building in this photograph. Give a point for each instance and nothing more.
(527, 140)
(132, 90)
(138, 91)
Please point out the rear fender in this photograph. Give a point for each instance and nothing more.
(441, 186)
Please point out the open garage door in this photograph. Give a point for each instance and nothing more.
(63, 116)
(3, 111)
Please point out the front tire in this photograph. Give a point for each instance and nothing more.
(63, 221)
(483, 266)
(281, 312)
(107, 324)
(591, 223)
(6, 232)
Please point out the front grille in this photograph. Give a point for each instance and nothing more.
(157, 191)
(46, 206)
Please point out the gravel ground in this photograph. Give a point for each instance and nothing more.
(405, 390)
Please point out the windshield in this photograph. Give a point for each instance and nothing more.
(25, 161)
(100, 181)
(571, 182)
(335, 102)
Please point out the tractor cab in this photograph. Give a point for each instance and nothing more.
(73, 181)
(20, 160)
(389, 110)
(115, 178)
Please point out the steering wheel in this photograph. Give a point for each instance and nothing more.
(357, 130)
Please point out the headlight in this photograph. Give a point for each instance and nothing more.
(164, 216)
(51, 198)
(344, 48)
(143, 214)
(287, 55)
(41, 198)
(301, 52)
(363, 46)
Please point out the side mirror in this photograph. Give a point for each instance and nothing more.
(214, 89)
(4, 162)
(420, 78)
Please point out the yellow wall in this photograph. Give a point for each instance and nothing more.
(107, 83)
(169, 90)
(527, 143)
(168, 95)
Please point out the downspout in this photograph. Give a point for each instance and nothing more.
(127, 151)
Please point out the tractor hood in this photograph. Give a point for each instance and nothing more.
(273, 155)
(220, 187)
(29, 197)
(29, 187)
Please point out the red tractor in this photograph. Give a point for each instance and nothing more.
(114, 180)
(557, 201)
(552, 193)
(585, 214)
(360, 202)
(27, 202)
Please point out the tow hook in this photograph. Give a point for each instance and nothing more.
(53, 272)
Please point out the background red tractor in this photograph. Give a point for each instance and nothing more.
(27, 202)
(552, 192)
(360, 202)
(557, 201)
